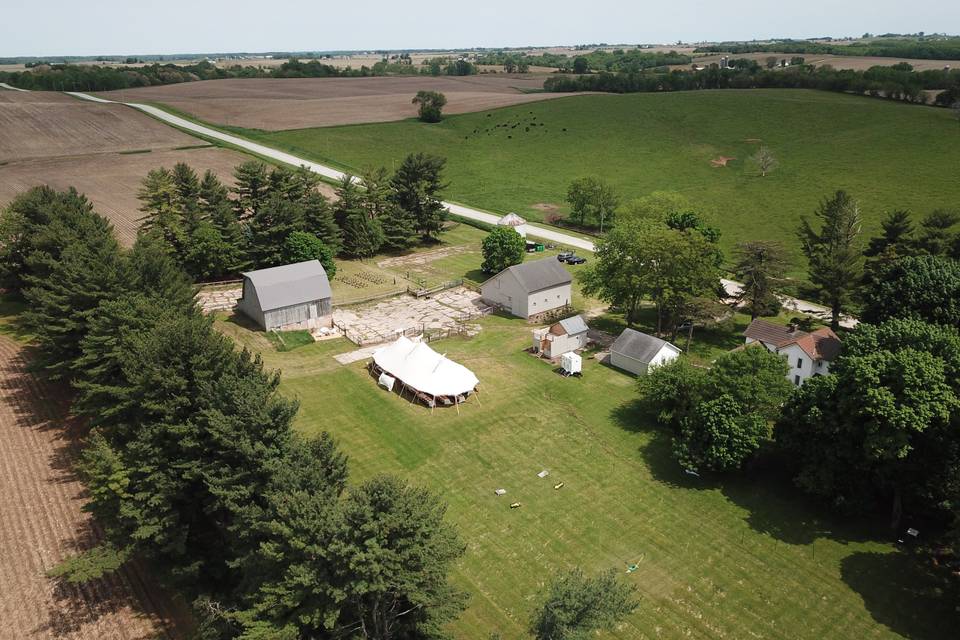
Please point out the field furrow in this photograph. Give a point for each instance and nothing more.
(43, 523)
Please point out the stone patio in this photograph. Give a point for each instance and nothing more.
(383, 321)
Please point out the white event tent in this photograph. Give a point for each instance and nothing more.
(428, 373)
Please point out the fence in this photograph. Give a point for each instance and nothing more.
(435, 289)
(341, 302)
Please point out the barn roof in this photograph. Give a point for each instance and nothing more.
(638, 346)
(539, 274)
(290, 284)
(574, 325)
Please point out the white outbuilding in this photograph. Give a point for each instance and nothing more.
(529, 289)
(638, 352)
(570, 334)
(515, 222)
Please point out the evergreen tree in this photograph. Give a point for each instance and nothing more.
(399, 230)
(417, 184)
(63, 291)
(160, 202)
(833, 252)
(269, 228)
(252, 188)
(27, 226)
(362, 236)
(760, 267)
(348, 200)
(896, 238)
(576, 606)
(187, 186)
(213, 195)
(318, 219)
(233, 234)
(936, 234)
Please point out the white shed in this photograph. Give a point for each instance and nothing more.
(638, 352)
(529, 289)
(570, 334)
(515, 222)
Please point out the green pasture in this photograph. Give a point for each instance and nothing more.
(888, 155)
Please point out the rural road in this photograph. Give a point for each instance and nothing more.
(537, 231)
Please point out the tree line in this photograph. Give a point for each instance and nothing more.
(278, 216)
(86, 77)
(191, 460)
(617, 60)
(895, 83)
(930, 48)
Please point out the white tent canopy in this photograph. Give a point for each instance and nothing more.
(420, 367)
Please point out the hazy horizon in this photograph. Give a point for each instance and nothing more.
(112, 28)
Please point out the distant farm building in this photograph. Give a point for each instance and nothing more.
(515, 222)
(638, 352)
(529, 289)
(808, 354)
(294, 296)
(564, 336)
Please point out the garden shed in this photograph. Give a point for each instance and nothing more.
(292, 296)
(637, 352)
(570, 334)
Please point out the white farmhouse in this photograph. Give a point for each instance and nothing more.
(529, 289)
(638, 352)
(808, 354)
(515, 222)
(569, 334)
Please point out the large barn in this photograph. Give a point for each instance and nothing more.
(293, 296)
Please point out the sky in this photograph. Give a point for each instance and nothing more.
(125, 27)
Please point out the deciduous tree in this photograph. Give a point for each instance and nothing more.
(301, 246)
(921, 287)
(503, 247)
(430, 105)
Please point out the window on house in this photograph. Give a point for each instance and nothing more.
(799, 363)
(796, 380)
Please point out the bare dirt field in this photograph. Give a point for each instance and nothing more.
(111, 180)
(42, 523)
(40, 124)
(857, 63)
(277, 104)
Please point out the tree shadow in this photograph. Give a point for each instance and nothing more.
(764, 489)
(904, 592)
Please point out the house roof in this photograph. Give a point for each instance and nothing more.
(573, 325)
(822, 344)
(511, 220)
(639, 346)
(539, 274)
(289, 284)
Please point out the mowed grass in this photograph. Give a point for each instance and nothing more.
(888, 155)
(741, 558)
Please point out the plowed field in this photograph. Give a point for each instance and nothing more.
(42, 523)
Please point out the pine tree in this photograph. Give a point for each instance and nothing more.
(833, 252)
(213, 195)
(760, 267)
(399, 232)
(188, 195)
(417, 185)
(318, 219)
(362, 236)
(252, 188)
(269, 228)
(348, 200)
(160, 202)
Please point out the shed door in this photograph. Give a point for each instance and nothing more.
(313, 310)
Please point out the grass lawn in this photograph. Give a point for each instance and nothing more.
(888, 155)
(738, 558)
(289, 340)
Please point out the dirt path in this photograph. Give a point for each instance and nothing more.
(42, 523)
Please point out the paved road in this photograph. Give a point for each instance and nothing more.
(475, 214)
(4, 85)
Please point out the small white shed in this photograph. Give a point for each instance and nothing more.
(569, 334)
(638, 352)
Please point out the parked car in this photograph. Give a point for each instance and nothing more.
(563, 256)
(576, 260)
